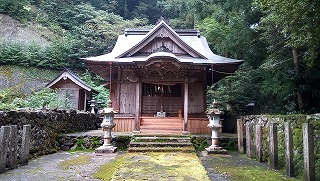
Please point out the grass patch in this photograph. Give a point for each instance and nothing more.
(106, 171)
(79, 160)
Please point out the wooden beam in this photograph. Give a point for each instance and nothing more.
(185, 105)
(138, 110)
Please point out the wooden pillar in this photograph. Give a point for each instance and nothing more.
(13, 147)
(259, 143)
(308, 152)
(273, 146)
(118, 90)
(25, 145)
(4, 143)
(289, 149)
(137, 111)
(185, 106)
(249, 143)
(240, 135)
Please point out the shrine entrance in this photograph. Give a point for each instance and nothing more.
(165, 98)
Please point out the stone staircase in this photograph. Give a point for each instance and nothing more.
(161, 125)
(160, 143)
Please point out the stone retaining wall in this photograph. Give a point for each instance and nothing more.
(47, 126)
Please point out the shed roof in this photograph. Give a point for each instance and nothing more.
(68, 74)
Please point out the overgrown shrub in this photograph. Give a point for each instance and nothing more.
(199, 143)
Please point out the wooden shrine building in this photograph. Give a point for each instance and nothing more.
(72, 91)
(158, 79)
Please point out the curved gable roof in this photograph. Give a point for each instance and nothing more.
(152, 34)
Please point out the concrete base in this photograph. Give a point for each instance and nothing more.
(135, 133)
(106, 149)
(216, 150)
(185, 133)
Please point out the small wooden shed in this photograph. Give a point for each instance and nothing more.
(159, 77)
(72, 91)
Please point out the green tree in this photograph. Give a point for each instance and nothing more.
(296, 21)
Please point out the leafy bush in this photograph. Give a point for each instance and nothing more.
(95, 82)
(199, 143)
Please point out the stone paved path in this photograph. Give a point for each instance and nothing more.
(46, 168)
(232, 159)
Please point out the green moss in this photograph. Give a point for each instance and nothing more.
(80, 150)
(106, 171)
(238, 171)
(80, 160)
(162, 166)
(252, 173)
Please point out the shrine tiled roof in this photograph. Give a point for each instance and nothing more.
(189, 40)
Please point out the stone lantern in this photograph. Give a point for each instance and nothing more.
(92, 105)
(214, 123)
(107, 125)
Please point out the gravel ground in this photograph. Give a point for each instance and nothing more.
(47, 168)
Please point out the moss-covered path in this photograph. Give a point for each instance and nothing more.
(173, 166)
(156, 166)
(236, 167)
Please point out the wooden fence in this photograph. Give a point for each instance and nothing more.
(9, 147)
(250, 142)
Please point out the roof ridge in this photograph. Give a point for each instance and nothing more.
(153, 30)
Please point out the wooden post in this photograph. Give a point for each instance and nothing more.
(137, 112)
(289, 149)
(249, 144)
(4, 143)
(308, 152)
(25, 146)
(273, 146)
(259, 143)
(240, 135)
(13, 147)
(185, 106)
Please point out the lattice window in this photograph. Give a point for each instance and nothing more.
(158, 89)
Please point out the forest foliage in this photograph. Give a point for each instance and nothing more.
(279, 41)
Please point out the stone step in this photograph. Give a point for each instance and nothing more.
(160, 144)
(188, 149)
(159, 131)
(146, 138)
(162, 126)
(161, 123)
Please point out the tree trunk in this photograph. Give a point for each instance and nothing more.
(296, 71)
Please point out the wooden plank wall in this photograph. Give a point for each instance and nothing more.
(124, 124)
(196, 93)
(198, 126)
(127, 98)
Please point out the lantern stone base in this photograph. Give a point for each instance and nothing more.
(216, 150)
(106, 149)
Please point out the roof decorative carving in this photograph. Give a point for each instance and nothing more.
(163, 48)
